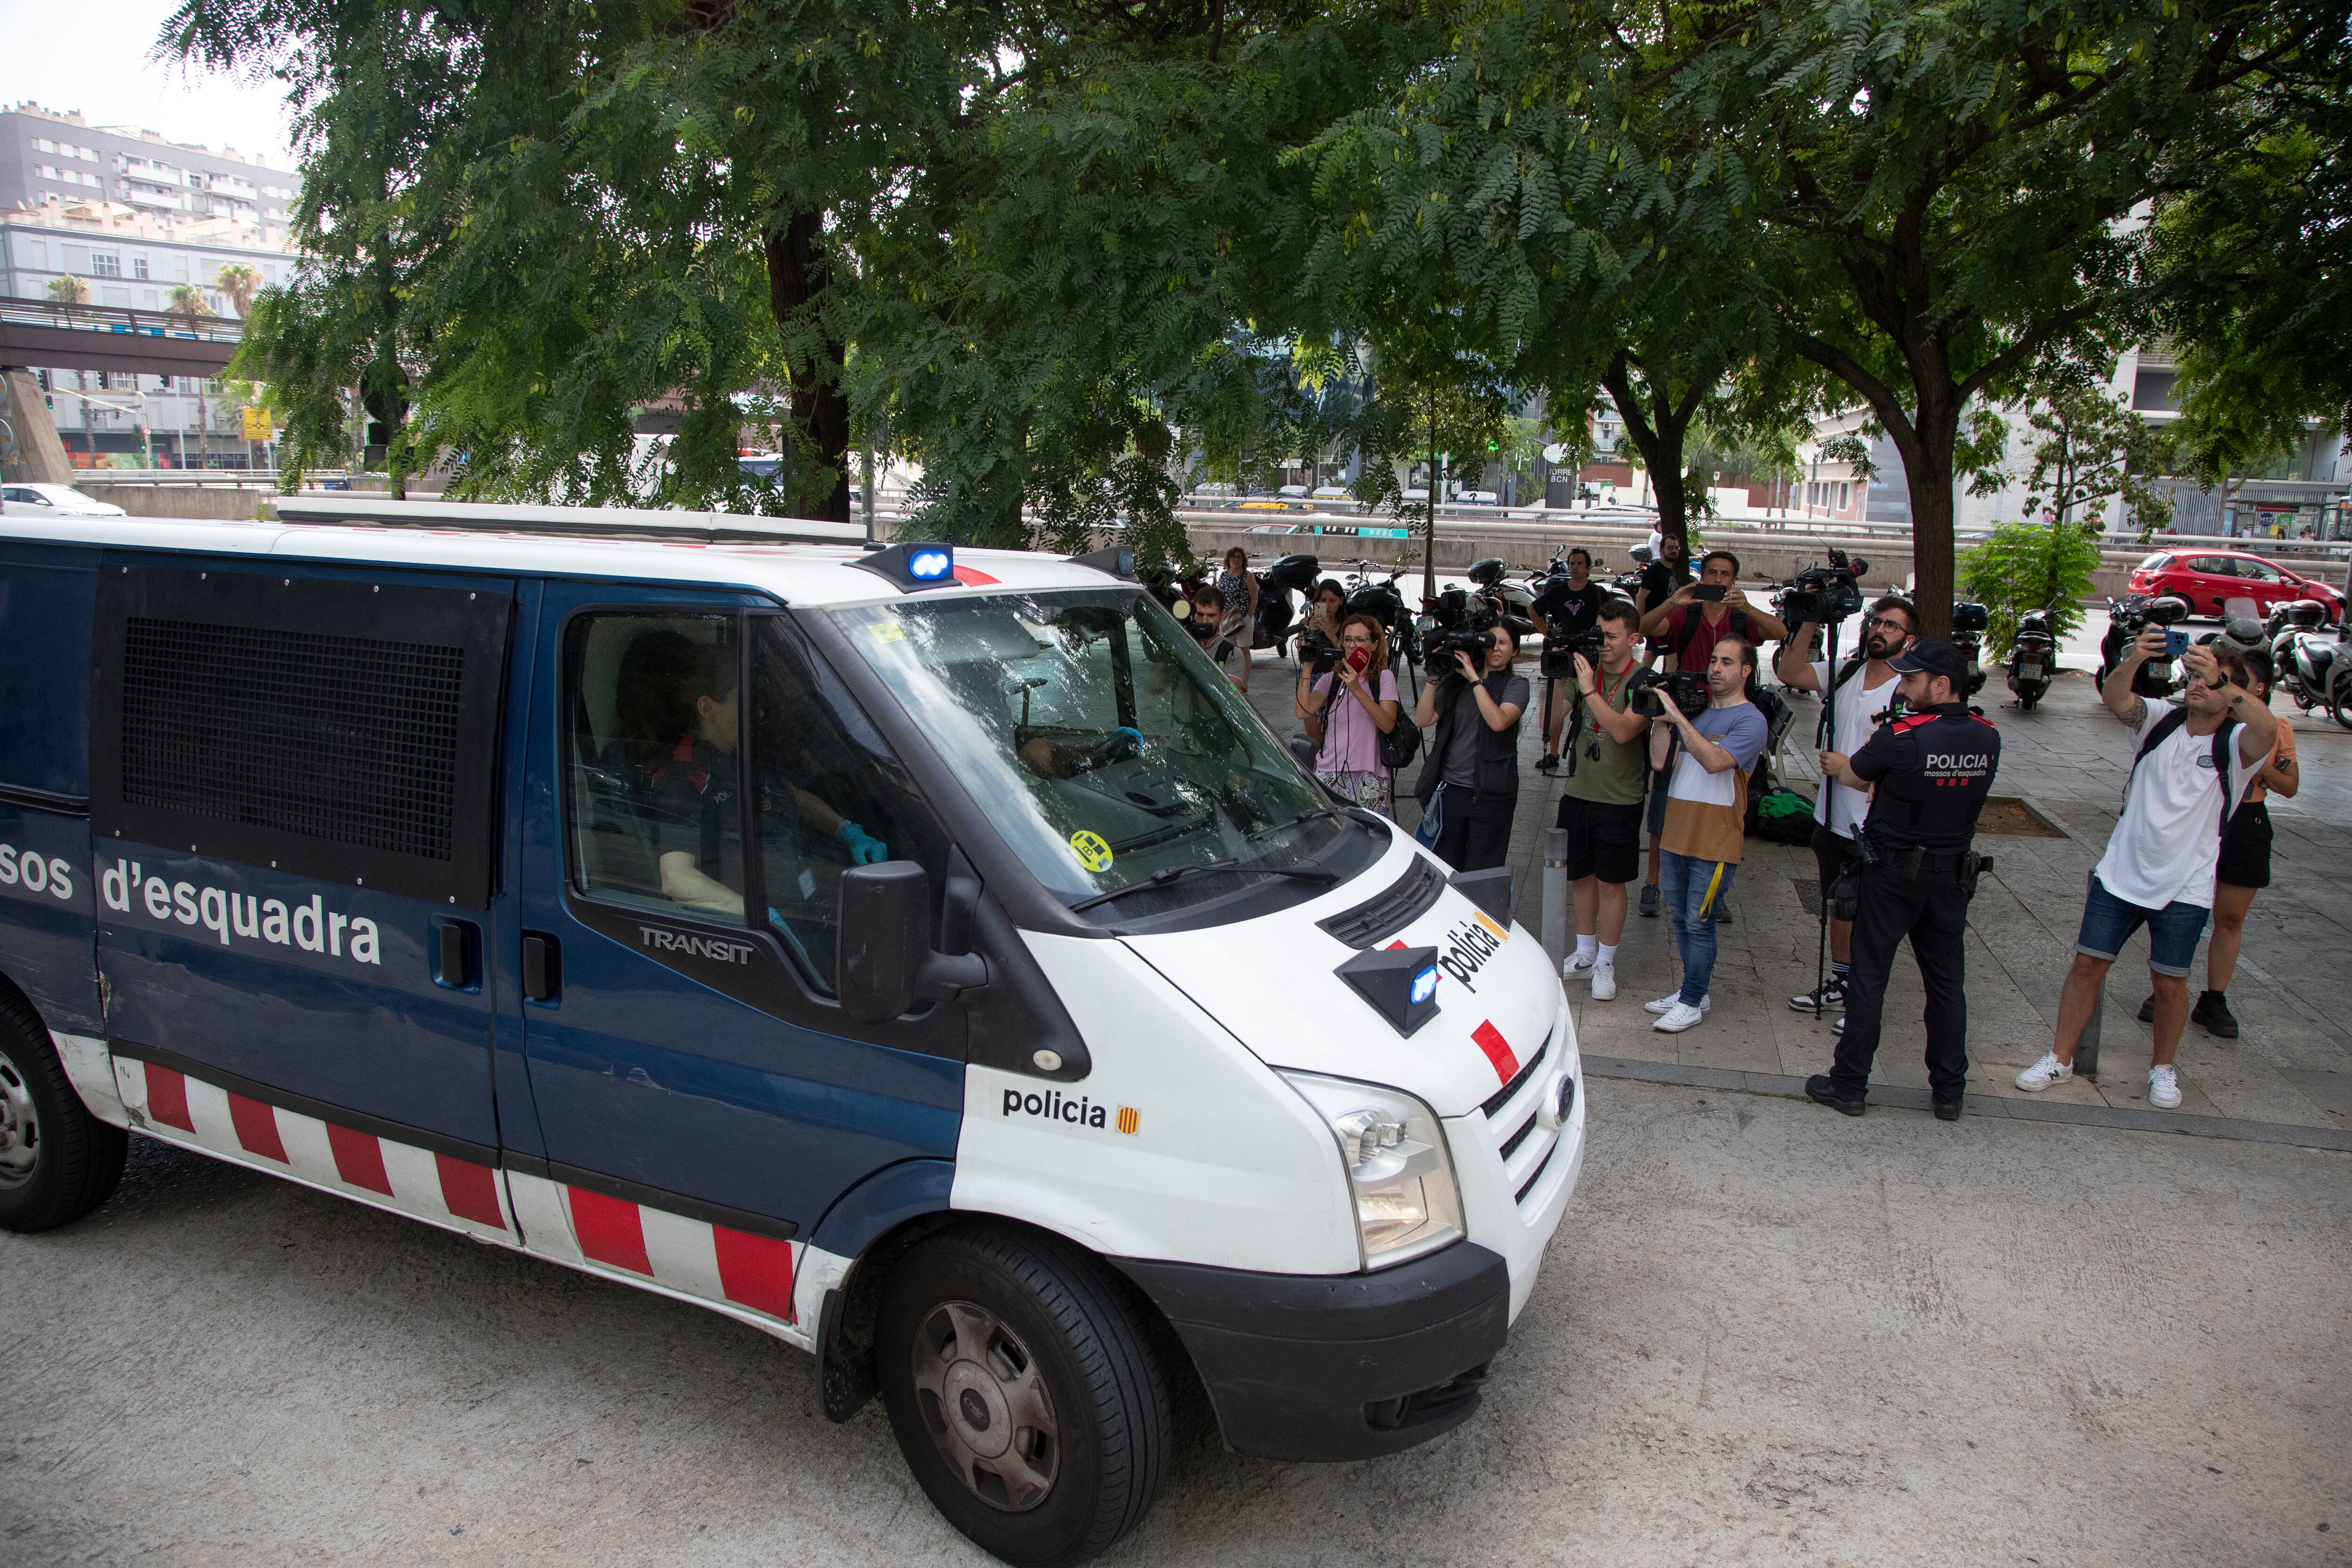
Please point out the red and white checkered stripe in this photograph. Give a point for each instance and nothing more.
(774, 1285)
(441, 1188)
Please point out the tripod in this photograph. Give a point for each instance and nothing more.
(1823, 731)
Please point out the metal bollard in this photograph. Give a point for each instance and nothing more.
(2086, 1048)
(1556, 923)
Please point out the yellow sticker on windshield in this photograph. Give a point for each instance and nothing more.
(889, 631)
(1092, 851)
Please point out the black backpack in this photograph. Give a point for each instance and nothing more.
(2171, 724)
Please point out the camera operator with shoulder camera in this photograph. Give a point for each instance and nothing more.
(1470, 784)
(2195, 761)
(1567, 608)
(1722, 734)
(1608, 777)
(1916, 872)
(1859, 693)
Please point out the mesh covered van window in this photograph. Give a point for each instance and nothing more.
(334, 728)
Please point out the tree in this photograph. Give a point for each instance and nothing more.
(2092, 449)
(240, 282)
(188, 303)
(1956, 186)
(70, 290)
(2023, 566)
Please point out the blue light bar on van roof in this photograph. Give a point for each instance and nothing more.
(1401, 984)
(912, 566)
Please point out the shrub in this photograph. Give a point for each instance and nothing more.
(2028, 566)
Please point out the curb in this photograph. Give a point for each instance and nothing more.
(1985, 1105)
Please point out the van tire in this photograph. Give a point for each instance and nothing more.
(58, 1162)
(1086, 1340)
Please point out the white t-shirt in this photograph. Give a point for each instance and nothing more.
(2164, 847)
(1859, 710)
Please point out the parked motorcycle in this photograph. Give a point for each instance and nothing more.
(1969, 622)
(1277, 609)
(1509, 601)
(2127, 618)
(1370, 593)
(2033, 658)
(2313, 668)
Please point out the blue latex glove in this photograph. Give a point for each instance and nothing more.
(864, 849)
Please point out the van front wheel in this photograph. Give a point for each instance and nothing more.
(58, 1162)
(1025, 1392)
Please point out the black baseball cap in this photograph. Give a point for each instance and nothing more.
(1935, 658)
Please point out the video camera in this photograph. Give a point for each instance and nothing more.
(2126, 619)
(1559, 660)
(1321, 652)
(1477, 639)
(1824, 594)
(1686, 689)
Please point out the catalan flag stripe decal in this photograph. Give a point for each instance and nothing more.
(1498, 1051)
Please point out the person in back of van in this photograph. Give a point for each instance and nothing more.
(669, 685)
(1471, 781)
(1347, 711)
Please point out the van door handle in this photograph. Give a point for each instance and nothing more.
(460, 942)
(543, 966)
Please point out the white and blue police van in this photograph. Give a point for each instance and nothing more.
(922, 955)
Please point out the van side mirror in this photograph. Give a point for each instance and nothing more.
(886, 962)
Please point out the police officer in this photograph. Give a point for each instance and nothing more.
(1932, 769)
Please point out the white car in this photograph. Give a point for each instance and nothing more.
(52, 501)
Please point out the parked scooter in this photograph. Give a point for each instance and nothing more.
(2033, 658)
(2313, 668)
(1380, 598)
(1969, 622)
(1509, 601)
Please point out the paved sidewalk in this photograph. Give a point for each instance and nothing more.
(2287, 1077)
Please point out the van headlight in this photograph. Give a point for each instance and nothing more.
(1407, 1203)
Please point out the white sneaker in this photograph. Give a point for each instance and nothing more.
(1680, 1016)
(1578, 966)
(2164, 1088)
(1604, 982)
(1674, 999)
(2045, 1073)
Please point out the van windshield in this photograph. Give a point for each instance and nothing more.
(1103, 744)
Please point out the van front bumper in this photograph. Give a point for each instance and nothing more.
(1345, 1366)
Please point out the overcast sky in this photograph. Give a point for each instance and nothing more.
(93, 57)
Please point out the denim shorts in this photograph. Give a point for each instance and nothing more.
(2172, 932)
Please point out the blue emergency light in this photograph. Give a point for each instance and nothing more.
(1401, 983)
(912, 566)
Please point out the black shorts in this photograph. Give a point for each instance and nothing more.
(1831, 851)
(1603, 840)
(2246, 849)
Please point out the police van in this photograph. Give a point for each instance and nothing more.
(920, 954)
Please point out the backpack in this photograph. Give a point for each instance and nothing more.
(2165, 728)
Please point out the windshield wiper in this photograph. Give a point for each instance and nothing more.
(1168, 874)
(1312, 811)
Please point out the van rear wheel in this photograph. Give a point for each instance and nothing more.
(1026, 1391)
(58, 1162)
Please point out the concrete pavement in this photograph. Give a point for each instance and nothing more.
(1766, 1334)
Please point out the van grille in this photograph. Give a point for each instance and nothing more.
(1386, 913)
(349, 740)
(1502, 1096)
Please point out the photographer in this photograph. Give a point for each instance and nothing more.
(1567, 607)
(1347, 730)
(1668, 570)
(1707, 816)
(1721, 611)
(2195, 761)
(1860, 694)
(1470, 784)
(1916, 873)
(2243, 869)
(1609, 774)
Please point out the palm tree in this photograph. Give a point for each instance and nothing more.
(70, 290)
(189, 304)
(240, 283)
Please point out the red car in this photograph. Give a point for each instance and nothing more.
(2206, 578)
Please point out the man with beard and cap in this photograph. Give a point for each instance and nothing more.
(1932, 770)
(1863, 688)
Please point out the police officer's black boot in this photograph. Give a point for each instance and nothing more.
(1823, 1090)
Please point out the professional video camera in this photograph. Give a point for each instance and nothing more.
(1686, 689)
(1559, 660)
(1319, 651)
(1824, 594)
(2127, 618)
(1473, 636)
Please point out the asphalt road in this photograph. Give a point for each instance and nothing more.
(1766, 1334)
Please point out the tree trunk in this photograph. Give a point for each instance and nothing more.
(1929, 473)
(1657, 428)
(799, 271)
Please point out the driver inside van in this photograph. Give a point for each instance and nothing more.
(670, 687)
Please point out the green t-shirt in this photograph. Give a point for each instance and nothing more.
(1619, 776)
